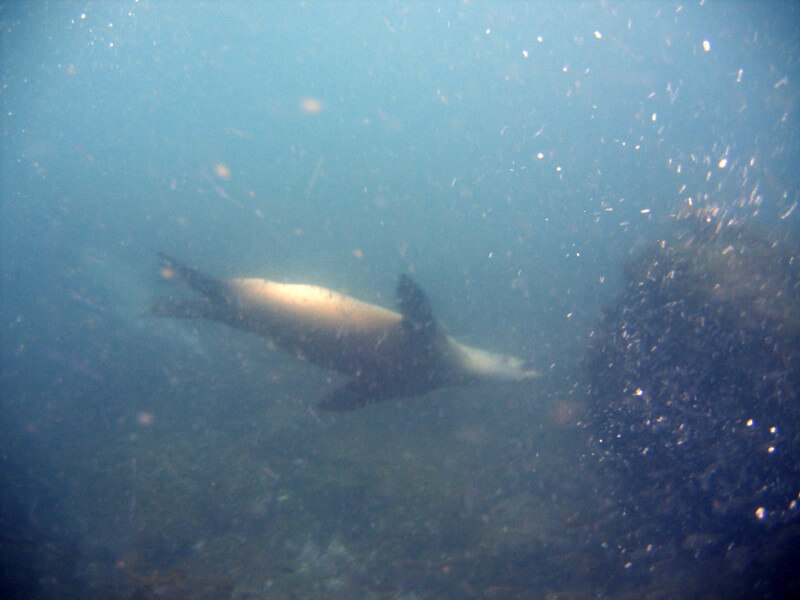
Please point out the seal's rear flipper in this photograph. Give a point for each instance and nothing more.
(356, 393)
(213, 289)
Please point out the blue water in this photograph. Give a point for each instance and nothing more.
(511, 156)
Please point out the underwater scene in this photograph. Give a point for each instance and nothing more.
(399, 300)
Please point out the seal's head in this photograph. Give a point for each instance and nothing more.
(485, 365)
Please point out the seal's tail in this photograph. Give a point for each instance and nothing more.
(214, 291)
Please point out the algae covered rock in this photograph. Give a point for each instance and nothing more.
(694, 387)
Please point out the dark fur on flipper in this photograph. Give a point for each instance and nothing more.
(421, 326)
(356, 393)
(422, 331)
(214, 291)
(417, 313)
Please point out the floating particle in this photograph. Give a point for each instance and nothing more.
(222, 170)
(311, 105)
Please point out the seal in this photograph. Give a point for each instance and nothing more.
(387, 354)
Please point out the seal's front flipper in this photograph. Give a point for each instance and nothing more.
(417, 314)
(356, 393)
